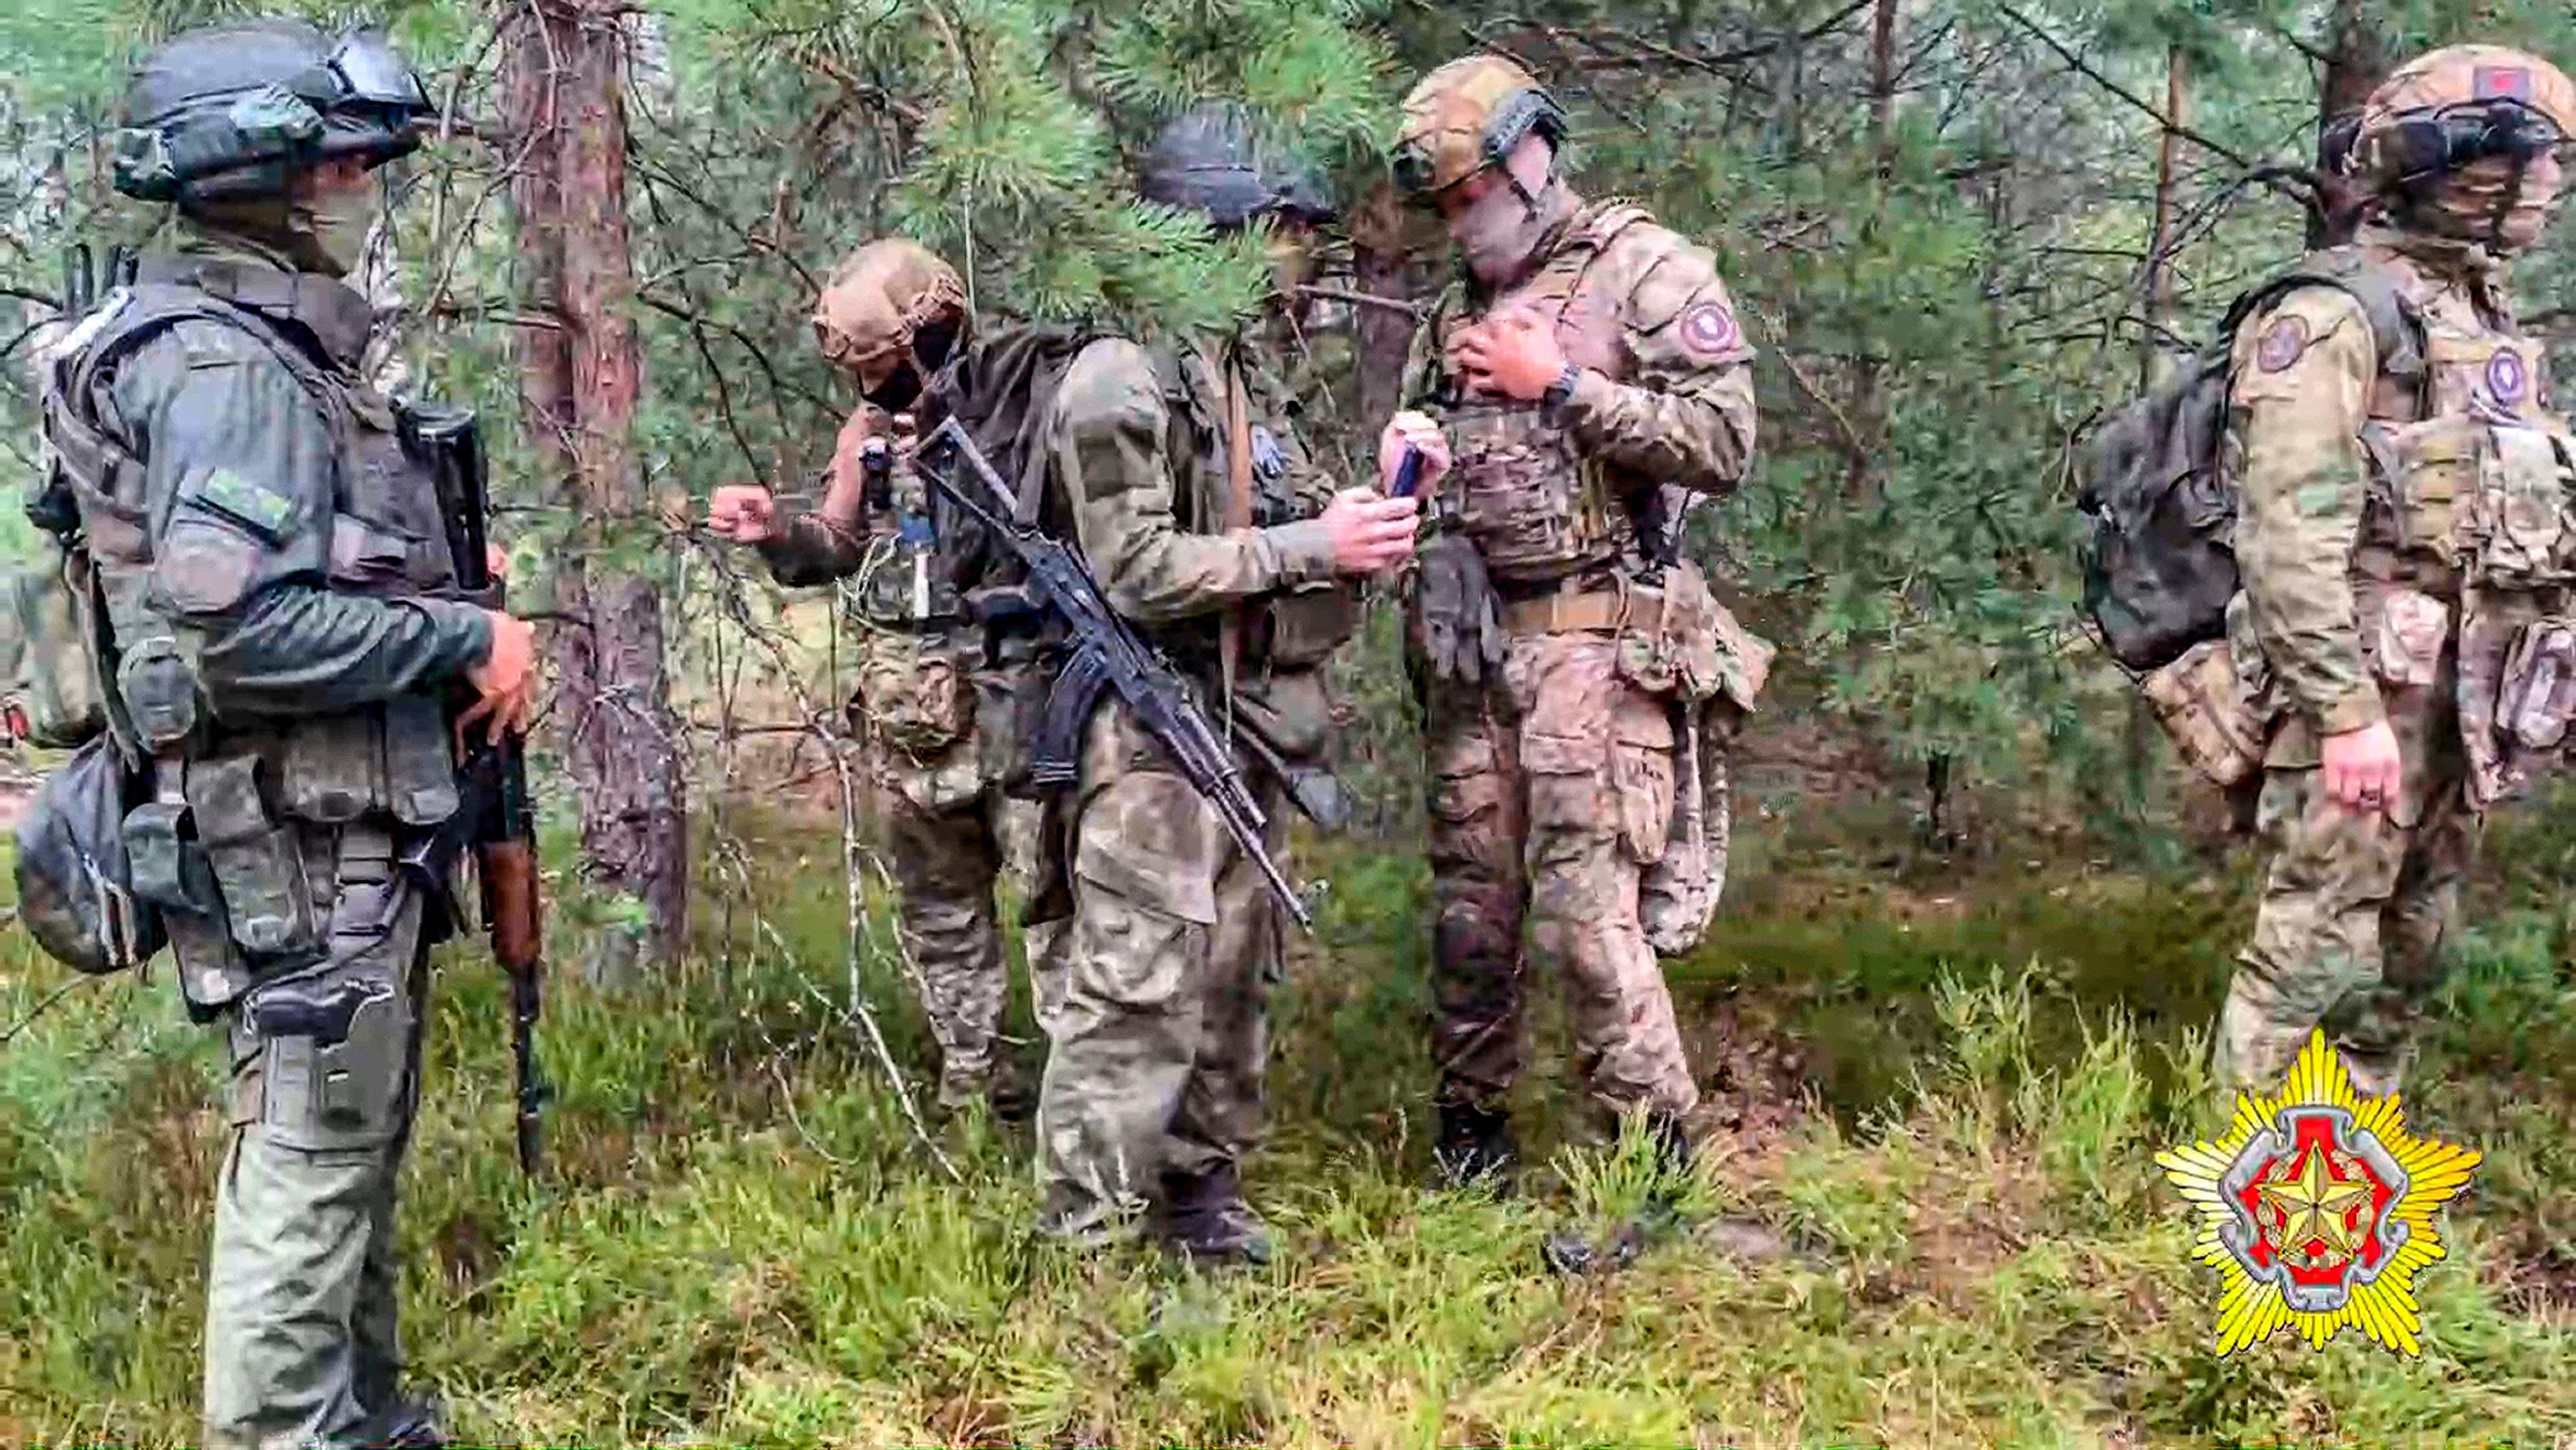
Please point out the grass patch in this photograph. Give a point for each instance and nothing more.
(739, 1242)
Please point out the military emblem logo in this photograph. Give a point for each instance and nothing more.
(1709, 330)
(2282, 343)
(2506, 378)
(2317, 1209)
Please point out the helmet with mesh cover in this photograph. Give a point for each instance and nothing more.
(884, 301)
(1466, 116)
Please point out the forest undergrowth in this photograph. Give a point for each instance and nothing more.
(1933, 1217)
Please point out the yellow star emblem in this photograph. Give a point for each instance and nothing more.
(2291, 1174)
(2317, 1207)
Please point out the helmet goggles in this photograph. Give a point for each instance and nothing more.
(2453, 136)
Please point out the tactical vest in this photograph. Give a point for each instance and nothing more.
(906, 583)
(1518, 487)
(2466, 483)
(2464, 569)
(218, 848)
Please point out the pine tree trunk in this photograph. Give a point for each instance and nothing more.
(1382, 337)
(2154, 353)
(2356, 62)
(613, 698)
(1882, 86)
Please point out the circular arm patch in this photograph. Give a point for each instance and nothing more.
(1707, 329)
(2281, 344)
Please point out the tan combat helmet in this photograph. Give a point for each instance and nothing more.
(878, 302)
(1466, 116)
(2453, 106)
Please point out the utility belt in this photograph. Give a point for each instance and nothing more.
(1582, 605)
(260, 847)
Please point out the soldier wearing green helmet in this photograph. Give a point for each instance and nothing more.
(277, 616)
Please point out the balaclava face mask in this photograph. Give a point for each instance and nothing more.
(2499, 202)
(325, 233)
(334, 224)
(1499, 231)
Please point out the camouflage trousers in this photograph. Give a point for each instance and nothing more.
(1155, 993)
(300, 1341)
(1551, 793)
(948, 838)
(2355, 905)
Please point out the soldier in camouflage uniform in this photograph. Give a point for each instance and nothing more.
(1588, 378)
(2404, 569)
(282, 637)
(895, 316)
(1206, 525)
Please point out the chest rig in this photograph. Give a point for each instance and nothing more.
(2466, 563)
(1535, 507)
(2468, 483)
(263, 832)
(905, 583)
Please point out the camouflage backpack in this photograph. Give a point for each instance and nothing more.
(2159, 557)
(49, 692)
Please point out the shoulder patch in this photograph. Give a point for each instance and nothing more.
(1708, 329)
(262, 511)
(2284, 340)
(205, 568)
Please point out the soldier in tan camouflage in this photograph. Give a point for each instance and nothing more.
(2404, 564)
(892, 316)
(1587, 380)
(1171, 467)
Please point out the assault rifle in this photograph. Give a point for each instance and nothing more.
(1104, 652)
(494, 819)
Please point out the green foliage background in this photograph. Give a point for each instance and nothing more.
(1941, 305)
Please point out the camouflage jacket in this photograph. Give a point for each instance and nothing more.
(1665, 401)
(2348, 477)
(1137, 442)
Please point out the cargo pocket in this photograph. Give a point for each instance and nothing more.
(371, 557)
(257, 865)
(332, 1050)
(2406, 645)
(2523, 509)
(420, 762)
(1141, 917)
(2538, 693)
(334, 769)
(2436, 474)
(917, 699)
(1641, 777)
(2200, 704)
(1304, 626)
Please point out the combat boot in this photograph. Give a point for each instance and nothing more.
(1570, 1252)
(1011, 1094)
(1475, 1148)
(404, 1425)
(1205, 1219)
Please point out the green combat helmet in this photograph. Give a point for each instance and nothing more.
(1207, 160)
(231, 111)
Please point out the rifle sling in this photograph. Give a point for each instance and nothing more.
(1236, 518)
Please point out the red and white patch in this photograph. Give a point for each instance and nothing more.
(2281, 345)
(1707, 329)
(2502, 82)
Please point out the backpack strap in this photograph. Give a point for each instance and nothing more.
(2396, 326)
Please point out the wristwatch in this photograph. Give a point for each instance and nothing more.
(1560, 390)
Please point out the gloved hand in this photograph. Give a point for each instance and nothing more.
(1462, 621)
